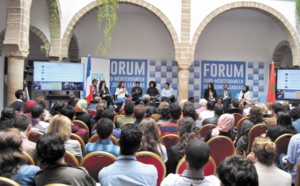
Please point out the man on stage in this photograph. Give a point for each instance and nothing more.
(226, 95)
(167, 93)
(137, 93)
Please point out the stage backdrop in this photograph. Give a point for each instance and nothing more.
(235, 73)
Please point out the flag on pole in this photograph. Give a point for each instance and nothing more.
(88, 82)
(271, 90)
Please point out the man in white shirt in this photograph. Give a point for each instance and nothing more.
(208, 113)
(197, 155)
(167, 93)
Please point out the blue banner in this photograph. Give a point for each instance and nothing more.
(221, 72)
(130, 71)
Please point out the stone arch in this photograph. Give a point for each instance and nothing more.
(93, 5)
(279, 52)
(32, 29)
(288, 29)
(73, 49)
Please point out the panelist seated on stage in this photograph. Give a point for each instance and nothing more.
(168, 93)
(245, 94)
(104, 93)
(152, 90)
(137, 92)
(121, 92)
(226, 95)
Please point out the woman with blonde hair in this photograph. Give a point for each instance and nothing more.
(264, 153)
(151, 139)
(62, 126)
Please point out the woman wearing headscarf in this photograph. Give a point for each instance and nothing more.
(81, 114)
(223, 128)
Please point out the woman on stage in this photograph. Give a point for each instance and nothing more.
(152, 90)
(104, 94)
(210, 93)
(121, 92)
(245, 94)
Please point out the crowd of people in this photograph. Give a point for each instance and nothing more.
(139, 125)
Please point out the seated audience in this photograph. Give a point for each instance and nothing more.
(72, 100)
(197, 155)
(23, 123)
(101, 106)
(151, 139)
(105, 132)
(264, 153)
(127, 170)
(295, 115)
(263, 109)
(8, 118)
(109, 114)
(70, 113)
(41, 100)
(158, 114)
(208, 113)
(214, 120)
(139, 113)
(128, 118)
(189, 110)
(276, 107)
(37, 113)
(12, 160)
(223, 128)
(246, 108)
(26, 107)
(164, 113)
(81, 114)
(283, 126)
(171, 126)
(50, 151)
(286, 107)
(55, 110)
(254, 119)
(237, 171)
(235, 107)
(18, 104)
(62, 126)
(186, 129)
(290, 161)
(202, 106)
(146, 102)
(94, 103)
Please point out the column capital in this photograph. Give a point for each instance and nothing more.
(13, 50)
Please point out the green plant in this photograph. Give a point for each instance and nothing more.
(107, 15)
(54, 18)
(297, 13)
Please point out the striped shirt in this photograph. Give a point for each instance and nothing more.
(105, 145)
(169, 128)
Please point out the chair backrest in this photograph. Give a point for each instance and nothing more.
(30, 160)
(297, 182)
(80, 140)
(153, 159)
(239, 126)
(34, 135)
(94, 127)
(220, 148)
(204, 129)
(56, 184)
(71, 159)
(255, 131)
(7, 182)
(209, 169)
(81, 124)
(127, 123)
(169, 140)
(237, 118)
(92, 112)
(95, 161)
(95, 138)
(282, 143)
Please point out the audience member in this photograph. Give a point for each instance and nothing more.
(171, 126)
(109, 114)
(186, 129)
(295, 115)
(72, 100)
(62, 126)
(235, 107)
(246, 108)
(55, 110)
(70, 113)
(41, 100)
(21, 97)
(101, 106)
(254, 119)
(37, 113)
(158, 114)
(237, 171)
(105, 132)
(202, 106)
(276, 107)
(139, 113)
(268, 174)
(146, 102)
(95, 102)
(223, 128)
(263, 109)
(8, 118)
(23, 123)
(50, 150)
(191, 99)
(189, 110)
(81, 114)
(164, 112)
(151, 139)
(286, 107)
(283, 126)
(214, 120)
(26, 107)
(12, 160)
(181, 103)
(197, 155)
(127, 170)
(208, 113)
(128, 118)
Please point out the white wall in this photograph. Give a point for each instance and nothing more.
(39, 17)
(137, 35)
(232, 36)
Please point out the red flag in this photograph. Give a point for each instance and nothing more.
(271, 90)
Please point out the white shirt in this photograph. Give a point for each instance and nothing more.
(120, 93)
(247, 95)
(163, 152)
(206, 114)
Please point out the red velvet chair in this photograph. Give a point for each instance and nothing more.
(95, 161)
(254, 132)
(34, 135)
(209, 169)
(237, 118)
(153, 159)
(71, 159)
(95, 138)
(169, 140)
(220, 148)
(80, 140)
(282, 143)
(204, 129)
(239, 126)
(92, 112)
(81, 124)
